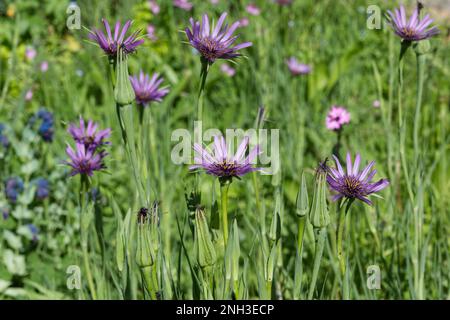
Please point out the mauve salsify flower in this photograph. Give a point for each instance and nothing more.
(154, 7)
(110, 44)
(296, 68)
(228, 70)
(151, 32)
(30, 53)
(414, 29)
(337, 117)
(215, 42)
(148, 89)
(353, 184)
(221, 163)
(89, 135)
(84, 161)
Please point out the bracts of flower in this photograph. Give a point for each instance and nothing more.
(214, 42)
(89, 153)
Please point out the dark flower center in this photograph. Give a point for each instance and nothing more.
(210, 48)
(409, 32)
(352, 187)
(228, 169)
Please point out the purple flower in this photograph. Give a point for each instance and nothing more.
(42, 188)
(183, 4)
(147, 89)
(111, 44)
(214, 43)
(29, 95)
(151, 32)
(296, 68)
(228, 70)
(222, 164)
(89, 135)
(244, 22)
(337, 117)
(30, 53)
(415, 29)
(13, 187)
(46, 127)
(85, 162)
(154, 7)
(376, 104)
(253, 9)
(354, 184)
(44, 66)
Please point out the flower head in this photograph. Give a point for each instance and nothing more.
(4, 141)
(13, 187)
(253, 9)
(228, 70)
(354, 184)
(183, 4)
(154, 7)
(30, 53)
(89, 135)
(44, 66)
(151, 32)
(296, 68)
(42, 188)
(110, 44)
(29, 95)
(337, 117)
(46, 126)
(147, 89)
(222, 164)
(34, 232)
(414, 29)
(84, 161)
(215, 42)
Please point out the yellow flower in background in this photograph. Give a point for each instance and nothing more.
(72, 44)
(11, 11)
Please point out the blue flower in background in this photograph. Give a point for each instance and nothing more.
(46, 127)
(5, 213)
(34, 231)
(13, 187)
(4, 141)
(43, 188)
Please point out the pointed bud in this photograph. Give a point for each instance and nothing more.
(123, 92)
(147, 237)
(206, 254)
(302, 198)
(318, 214)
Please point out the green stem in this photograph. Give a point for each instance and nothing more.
(201, 93)
(301, 232)
(224, 204)
(84, 187)
(320, 235)
(149, 281)
(421, 58)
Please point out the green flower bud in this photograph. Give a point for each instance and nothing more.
(302, 198)
(123, 92)
(147, 237)
(206, 254)
(318, 214)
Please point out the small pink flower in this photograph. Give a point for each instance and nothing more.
(244, 22)
(44, 66)
(228, 70)
(214, 2)
(296, 68)
(29, 95)
(253, 9)
(30, 53)
(183, 4)
(154, 7)
(151, 32)
(337, 117)
(376, 104)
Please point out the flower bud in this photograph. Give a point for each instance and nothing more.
(318, 214)
(123, 92)
(147, 237)
(206, 254)
(302, 199)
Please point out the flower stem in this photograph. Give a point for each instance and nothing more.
(201, 93)
(421, 58)
(340, 251)
(320, 235)
(224, 203)
(84, 226)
